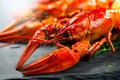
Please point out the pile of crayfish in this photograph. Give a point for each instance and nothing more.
(77, 27)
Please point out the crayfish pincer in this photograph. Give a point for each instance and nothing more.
(88, 32)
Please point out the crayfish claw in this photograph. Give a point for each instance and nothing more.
(59, 60)
(30, 48)
(26, 54)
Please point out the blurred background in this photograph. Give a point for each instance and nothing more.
(9, 9)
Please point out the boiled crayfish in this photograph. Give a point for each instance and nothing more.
(82, 34)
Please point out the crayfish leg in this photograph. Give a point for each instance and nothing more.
(97, 45)
(108, 38)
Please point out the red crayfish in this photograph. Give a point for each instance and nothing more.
(80, 35)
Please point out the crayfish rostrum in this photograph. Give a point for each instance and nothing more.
(76, 36)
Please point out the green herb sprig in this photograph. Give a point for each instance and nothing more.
(106, 47)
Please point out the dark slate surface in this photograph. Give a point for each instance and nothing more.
(100, 66)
